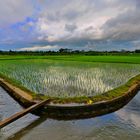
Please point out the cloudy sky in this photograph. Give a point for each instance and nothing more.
(77, 24)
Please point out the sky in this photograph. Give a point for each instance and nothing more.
(76, 24)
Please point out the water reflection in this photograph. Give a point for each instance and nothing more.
(131, 113)
(8, 107)
(123, 124)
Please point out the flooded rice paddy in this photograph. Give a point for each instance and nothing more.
(68, 79)
(123, 124)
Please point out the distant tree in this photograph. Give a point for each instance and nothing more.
(62, 50)
(137, 51)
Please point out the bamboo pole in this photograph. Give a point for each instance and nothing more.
(22, 113)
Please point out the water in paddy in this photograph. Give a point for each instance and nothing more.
(123, 124)
(68, 79)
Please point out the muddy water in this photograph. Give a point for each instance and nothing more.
(123, 124)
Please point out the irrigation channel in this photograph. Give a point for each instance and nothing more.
(122, 124)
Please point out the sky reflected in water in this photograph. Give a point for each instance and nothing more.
(123, 124)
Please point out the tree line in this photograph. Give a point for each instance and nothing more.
(65, 51)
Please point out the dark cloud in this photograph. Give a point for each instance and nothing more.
(79, 22)
(125, 26)
(70, 27)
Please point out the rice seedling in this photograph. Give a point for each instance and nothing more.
(60, 79)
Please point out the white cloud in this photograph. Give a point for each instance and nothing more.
(71, 21)
(38, 48)
(12, 11)
(124, 26)
(130, 113)
(92, 15)
(129, 117)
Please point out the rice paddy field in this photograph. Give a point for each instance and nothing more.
(67, 76)
(134, 59)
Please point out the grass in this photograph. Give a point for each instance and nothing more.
(117, 92)
(109, 95)
(106, 59)
(28, 72)
(61, 79)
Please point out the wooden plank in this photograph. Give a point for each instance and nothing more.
(22, 113)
